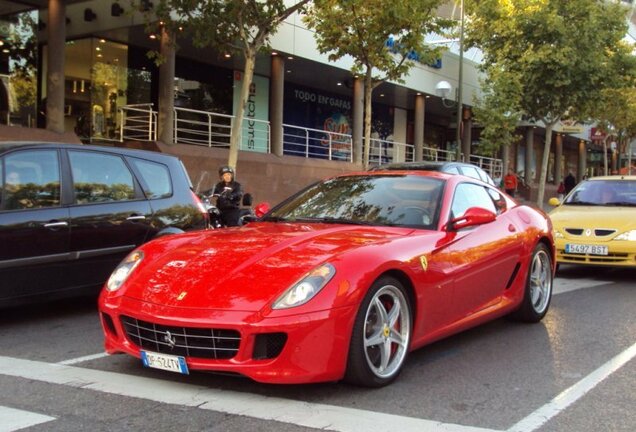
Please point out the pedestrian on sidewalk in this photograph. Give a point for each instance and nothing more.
(510, 182)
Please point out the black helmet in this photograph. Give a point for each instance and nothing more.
(225, 169)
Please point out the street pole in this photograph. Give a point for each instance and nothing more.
(459, 83)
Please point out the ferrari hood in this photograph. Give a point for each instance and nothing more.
(618, 218)
(242, 269)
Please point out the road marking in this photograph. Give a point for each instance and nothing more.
(318, 416)
(562, 285)
(83, 359)
(567, 397)
(13, 419)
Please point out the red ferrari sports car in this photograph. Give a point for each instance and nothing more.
(341, 280)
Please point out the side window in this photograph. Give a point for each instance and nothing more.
(99, 177)
(498, 199)
(156, 178)
(31, 179)
(469, 195)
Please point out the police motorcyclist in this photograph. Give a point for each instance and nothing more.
(229, 194)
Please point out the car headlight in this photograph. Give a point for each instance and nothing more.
(557, 234)
(123, 270)
(305, 289)
(627, 235)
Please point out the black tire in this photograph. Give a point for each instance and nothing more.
(538, 290)
(381, 335)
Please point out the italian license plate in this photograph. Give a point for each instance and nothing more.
(164, 361)
(585, 249)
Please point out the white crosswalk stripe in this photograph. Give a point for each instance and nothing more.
(13, 419)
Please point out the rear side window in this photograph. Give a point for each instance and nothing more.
(31, 179)
(156, 178)
(99, 177)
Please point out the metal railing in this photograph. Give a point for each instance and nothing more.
(492, 166)
(137, 123)
(202, 128)
(316, 143)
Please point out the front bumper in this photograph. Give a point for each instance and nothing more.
(315, 349)
(620, 254)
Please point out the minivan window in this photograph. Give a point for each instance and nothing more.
(156, 178)
(31, 180)
(99, 177)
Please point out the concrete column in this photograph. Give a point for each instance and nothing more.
(55, 66)
(165, 121)
(276, 97)
(529, 154)
(558, 155)
(467, 135)
(582, 161)
(420, 110)
(357, 113)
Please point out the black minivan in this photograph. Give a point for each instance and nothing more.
(70, 213)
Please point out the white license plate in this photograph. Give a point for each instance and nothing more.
(585, 249)
(164, 361)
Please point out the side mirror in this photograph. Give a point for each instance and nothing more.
(554, 201)
(261, 209)
(472, 217)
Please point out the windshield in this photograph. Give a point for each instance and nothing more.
(392, 200)
(604, 193)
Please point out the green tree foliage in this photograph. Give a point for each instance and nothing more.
(559, 51)
(497, 111)
(616, 113)
(362, 28)
(230, 26)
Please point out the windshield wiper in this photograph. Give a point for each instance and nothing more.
(588, 203)
(621, 204)
(274, 219)
(333, 220)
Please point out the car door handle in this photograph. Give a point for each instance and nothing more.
(136, 217)
(55, 224)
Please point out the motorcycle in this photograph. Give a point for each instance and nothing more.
(214, 214)
(246, 213)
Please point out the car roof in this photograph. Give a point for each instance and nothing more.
(409, 166)
(6, 146)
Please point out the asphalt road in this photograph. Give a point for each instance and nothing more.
(575, 371)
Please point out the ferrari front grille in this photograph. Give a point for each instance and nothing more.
(182, 341)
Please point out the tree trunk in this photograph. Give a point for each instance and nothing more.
(544, 162)
(605, 155)
(368, 90)
(235, 138)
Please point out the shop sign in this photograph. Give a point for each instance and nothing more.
(255, 131)
(572, 126)
(597, 134)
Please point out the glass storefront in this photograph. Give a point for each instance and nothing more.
(98, 81)
(18, 66)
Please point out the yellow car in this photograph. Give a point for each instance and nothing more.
(596, 223)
